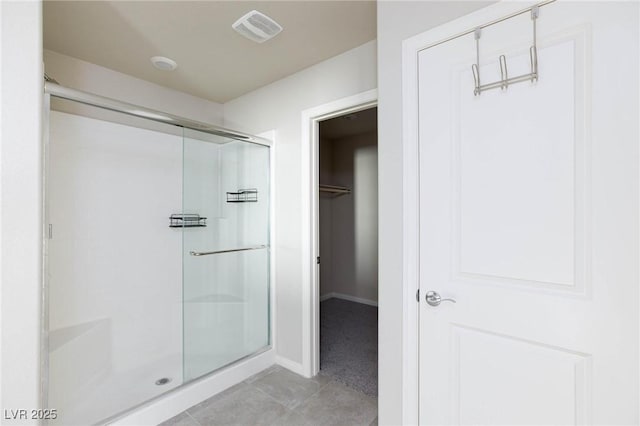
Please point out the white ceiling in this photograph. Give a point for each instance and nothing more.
(214, 62)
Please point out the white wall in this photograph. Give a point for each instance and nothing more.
(397, 20)
(279, 106)
(20, 214)
(352, 226)
(81, 75)
(20, 184)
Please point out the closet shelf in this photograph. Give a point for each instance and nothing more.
(336, 190)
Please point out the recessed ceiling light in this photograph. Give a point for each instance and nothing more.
(257, 26)
(164, 64)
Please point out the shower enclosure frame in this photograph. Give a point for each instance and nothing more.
(52, 89)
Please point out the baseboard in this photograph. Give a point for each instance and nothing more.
(326, 296)
(290, 365)
(349, 298)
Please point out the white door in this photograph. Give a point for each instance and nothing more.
(528, 213)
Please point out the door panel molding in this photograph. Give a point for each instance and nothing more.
(579, 285)
(573, 365)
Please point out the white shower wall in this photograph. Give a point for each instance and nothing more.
(115, 267)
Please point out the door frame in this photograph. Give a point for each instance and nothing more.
(310, 218)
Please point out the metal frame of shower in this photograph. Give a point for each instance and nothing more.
(62, 92)
(52, 88)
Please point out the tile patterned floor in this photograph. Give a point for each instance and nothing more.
(279, 397)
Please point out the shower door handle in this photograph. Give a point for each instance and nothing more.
(206, 253)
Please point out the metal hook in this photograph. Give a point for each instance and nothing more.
(503, 72)
(475, 68)
(476, 78)
(533, 50)
(533, 56)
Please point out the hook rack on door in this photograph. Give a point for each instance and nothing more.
(505, 81)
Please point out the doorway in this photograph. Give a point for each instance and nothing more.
(310, 126)
(348, 249)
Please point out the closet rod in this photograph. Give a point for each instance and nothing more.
(335, 189)
(488, 24)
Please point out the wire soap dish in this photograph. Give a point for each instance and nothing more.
(243, 196)
(187, 221)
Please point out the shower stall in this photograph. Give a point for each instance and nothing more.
(157, 254)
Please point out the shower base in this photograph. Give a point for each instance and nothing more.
(180, 398)
(115, 393)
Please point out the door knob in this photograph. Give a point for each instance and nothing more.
(434, 299)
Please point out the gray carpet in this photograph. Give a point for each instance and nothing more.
(349, 344)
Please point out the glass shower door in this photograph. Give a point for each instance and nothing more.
(225, 251)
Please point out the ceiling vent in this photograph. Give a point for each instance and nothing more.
(257, 26)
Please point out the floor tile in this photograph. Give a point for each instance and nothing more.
(336, 404)
(263, 373)
(321, 379)
(209, 401)
(182, 419)
(245, 406)
(287, 388)
(291, 419)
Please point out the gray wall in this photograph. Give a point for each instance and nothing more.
(349, 223)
